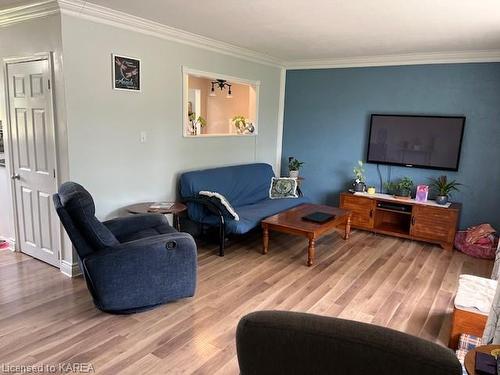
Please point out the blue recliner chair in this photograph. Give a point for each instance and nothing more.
(130, 264)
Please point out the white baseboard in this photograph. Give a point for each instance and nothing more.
(70, 269)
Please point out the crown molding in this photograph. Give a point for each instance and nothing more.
(28, 12)
(393, 60)
(100, 14)
(97, 13)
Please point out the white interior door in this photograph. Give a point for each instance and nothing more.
(33, 158)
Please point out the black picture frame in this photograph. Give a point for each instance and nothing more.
(126, 73)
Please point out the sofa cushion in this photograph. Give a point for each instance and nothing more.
(240, 184)
(252, 214)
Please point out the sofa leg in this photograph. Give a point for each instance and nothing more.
(222, 236)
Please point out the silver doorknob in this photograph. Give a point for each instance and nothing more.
(16, 176)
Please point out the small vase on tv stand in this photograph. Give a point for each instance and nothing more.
(359, 187)
(442, 199)
(293, 174)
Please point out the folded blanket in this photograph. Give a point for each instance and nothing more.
(474, 234)
(475, 293)
(484, 248)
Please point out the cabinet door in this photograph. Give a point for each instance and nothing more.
(438, 224)
(362, 210)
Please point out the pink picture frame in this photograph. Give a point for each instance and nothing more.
(422, 193)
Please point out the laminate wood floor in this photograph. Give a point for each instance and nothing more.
(47, 318)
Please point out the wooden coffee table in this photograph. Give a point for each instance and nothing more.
(291, 221)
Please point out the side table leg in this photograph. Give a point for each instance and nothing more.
(177, 222)
(310, 252)
(265, 239)
(347, 228)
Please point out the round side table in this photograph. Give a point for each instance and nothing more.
(145, 208)
(470, 357)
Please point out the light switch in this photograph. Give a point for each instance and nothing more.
(144, 137)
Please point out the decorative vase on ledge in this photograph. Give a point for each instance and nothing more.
(293, 174)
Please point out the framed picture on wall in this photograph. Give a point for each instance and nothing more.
(126, 73)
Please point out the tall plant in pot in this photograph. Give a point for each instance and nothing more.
(359, 177)
(294, 166)
(443, 188)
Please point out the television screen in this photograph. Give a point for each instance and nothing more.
(416, 141)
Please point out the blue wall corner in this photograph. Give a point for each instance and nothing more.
(327, 119)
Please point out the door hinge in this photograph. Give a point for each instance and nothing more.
(54, 173)
(48, 83)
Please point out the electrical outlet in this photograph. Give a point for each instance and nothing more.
(144, 137)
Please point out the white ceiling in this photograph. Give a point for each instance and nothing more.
(295, 30)
(325, 29)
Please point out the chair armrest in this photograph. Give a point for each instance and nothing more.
(134, 223)
(136, 272)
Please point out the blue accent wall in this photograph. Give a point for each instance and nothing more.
(327, 115)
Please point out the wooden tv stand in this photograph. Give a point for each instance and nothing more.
(420, 221)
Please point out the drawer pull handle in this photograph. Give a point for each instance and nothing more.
(413, 220)
(371, 212)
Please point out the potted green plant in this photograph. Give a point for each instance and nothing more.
(443, 188)
(401, 188)
(240, 123)
(195, 122)
(359, 175)
(294, 166)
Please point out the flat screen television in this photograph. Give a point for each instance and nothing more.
(416, 141)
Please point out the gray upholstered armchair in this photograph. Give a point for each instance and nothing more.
(130, 264)
(279, 342)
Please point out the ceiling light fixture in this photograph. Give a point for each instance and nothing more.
(221, 84)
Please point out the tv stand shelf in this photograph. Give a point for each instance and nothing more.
(403, 218)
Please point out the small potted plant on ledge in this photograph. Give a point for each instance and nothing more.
(359, 175)
(196, 123)
(294, 166)
(443, 188)
(401, 189)
(242, 125)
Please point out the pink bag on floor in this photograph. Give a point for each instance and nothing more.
(484, 247)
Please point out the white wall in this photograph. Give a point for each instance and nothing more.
(98, 129)
(104, 125)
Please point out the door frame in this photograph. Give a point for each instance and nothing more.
(9, 149)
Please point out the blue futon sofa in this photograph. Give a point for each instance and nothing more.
(246, 187)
